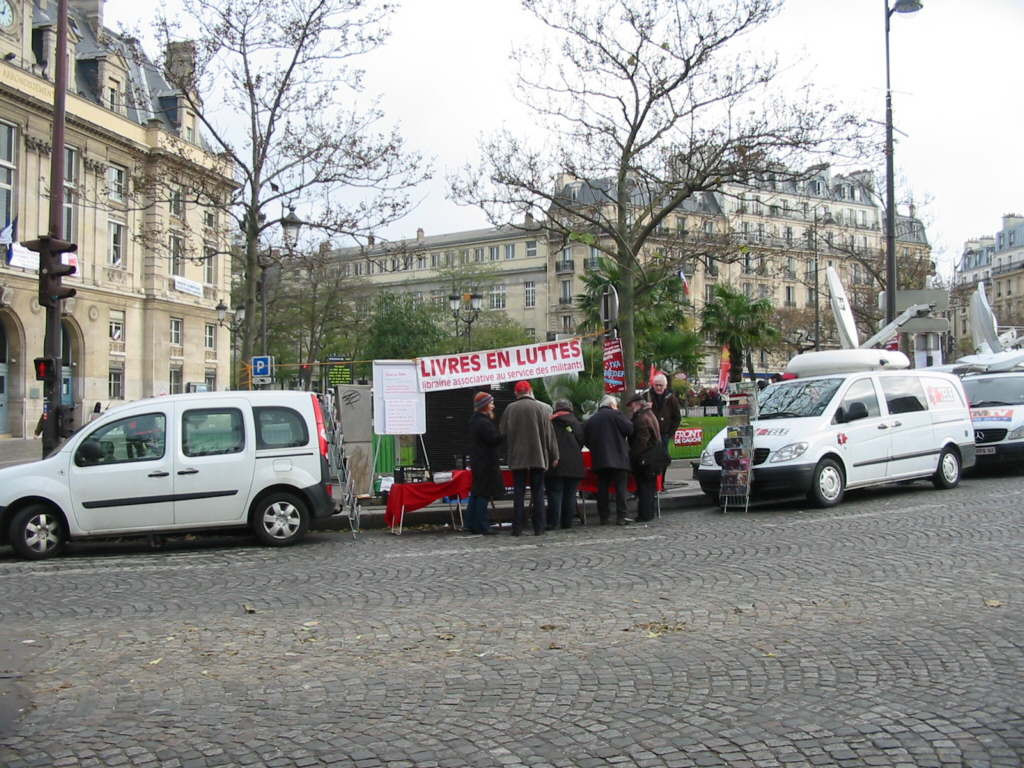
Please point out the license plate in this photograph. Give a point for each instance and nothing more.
(986, 451)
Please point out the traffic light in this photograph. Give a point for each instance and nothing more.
(305, 372)
(46, 368)
(52, 269)
(65, 420)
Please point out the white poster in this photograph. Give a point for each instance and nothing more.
(399, 408)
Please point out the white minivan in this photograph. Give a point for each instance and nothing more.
(172, 464)
(819, 435)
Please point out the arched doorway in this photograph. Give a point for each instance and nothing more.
(4, 429)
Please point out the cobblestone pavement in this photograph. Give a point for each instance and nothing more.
(885, 632)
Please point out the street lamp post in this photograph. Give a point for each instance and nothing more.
(900, 6)
(466, 313)
(827, 219)
(236, 325)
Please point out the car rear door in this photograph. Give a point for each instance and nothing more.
(121, 475)
(214, 460)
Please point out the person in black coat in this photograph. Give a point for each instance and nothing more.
(563, 480)
(485, 463)
(605, 435)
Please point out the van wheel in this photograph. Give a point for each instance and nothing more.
(948, 474)
(36, 533)
(827, 484)
(280, 519)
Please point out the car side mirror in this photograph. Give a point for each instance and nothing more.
(857, 410)
(90, 452)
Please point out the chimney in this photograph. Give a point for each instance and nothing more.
(180, 65)
(370, 241)
(419, 233)
(529, 219)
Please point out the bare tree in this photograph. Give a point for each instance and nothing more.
(270, 84)
(646, 104)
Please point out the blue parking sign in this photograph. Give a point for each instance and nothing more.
(263, 366)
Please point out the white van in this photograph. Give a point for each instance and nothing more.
(173, 464)
(821, 434)
(997, 407)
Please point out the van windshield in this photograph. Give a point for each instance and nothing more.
(797, 399)
(1001, 390)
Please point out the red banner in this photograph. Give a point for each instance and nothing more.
(690, 436)
(614, 367)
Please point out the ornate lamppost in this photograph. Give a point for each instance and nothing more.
(466, 312)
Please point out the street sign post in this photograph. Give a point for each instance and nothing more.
(262, 370)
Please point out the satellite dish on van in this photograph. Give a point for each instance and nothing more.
(983, 323)
(841, 308)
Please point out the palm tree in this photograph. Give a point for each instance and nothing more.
(740, 323)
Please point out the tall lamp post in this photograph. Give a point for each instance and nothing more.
(466, 313)
(900, 6)
(290, 226)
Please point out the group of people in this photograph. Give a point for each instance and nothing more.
(545, 454)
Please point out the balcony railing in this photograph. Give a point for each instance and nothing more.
(565, 266)
(565, 301)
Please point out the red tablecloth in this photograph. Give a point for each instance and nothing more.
(589, 483)
(405, 497)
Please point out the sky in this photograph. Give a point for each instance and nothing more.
(445, 78)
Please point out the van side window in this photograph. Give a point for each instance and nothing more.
(280, 428)
(212, 431)
(862, 392)
(138, 438)
(903, 394)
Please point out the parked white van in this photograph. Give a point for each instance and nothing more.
(172, 464)
(822, 434)
(997, 406)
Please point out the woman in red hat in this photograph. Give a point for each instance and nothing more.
(485, 462)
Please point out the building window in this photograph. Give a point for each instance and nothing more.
(565, 292)
(709, 227)
(174, 380)
(357, 269)
(210, 217)
(70, 193)
(497, 297)
(370, 266)
(438, 298)
(567, 324)
(510, 251)
(495, 253)
(790, 296)
(531, 332)
(117, 183)
(115, 324)
(530, 289)
(114, 96)
(177, 202)
(531, 248)
(449, 258)
(7, 168)
(211, 380)
(176, 331)
(435, 260)
(116, 244)
(176, 246)
(478, 255)
(210, 266)
(210, 336)
(709, 294)
(115, 384)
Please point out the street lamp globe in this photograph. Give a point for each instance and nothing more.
(455, 302)
(291, 224)
(907, 6)
(240, 313)
(476, 302)
(222, 311)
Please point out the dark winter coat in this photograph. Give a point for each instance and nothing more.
(484, 457)
(666, 409)
(526, 424)
(569, 436)
(645, 433)
(605, 435)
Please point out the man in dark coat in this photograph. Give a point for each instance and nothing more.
(485, 462)
(564, 480)
(605, 435)
(526, 424)
(645, 436)
(665, 406)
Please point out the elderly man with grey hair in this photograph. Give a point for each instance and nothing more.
(605, 435)
(665, 406)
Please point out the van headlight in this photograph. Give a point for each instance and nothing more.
(1016, 434)
(707, 459)
(789, 452)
